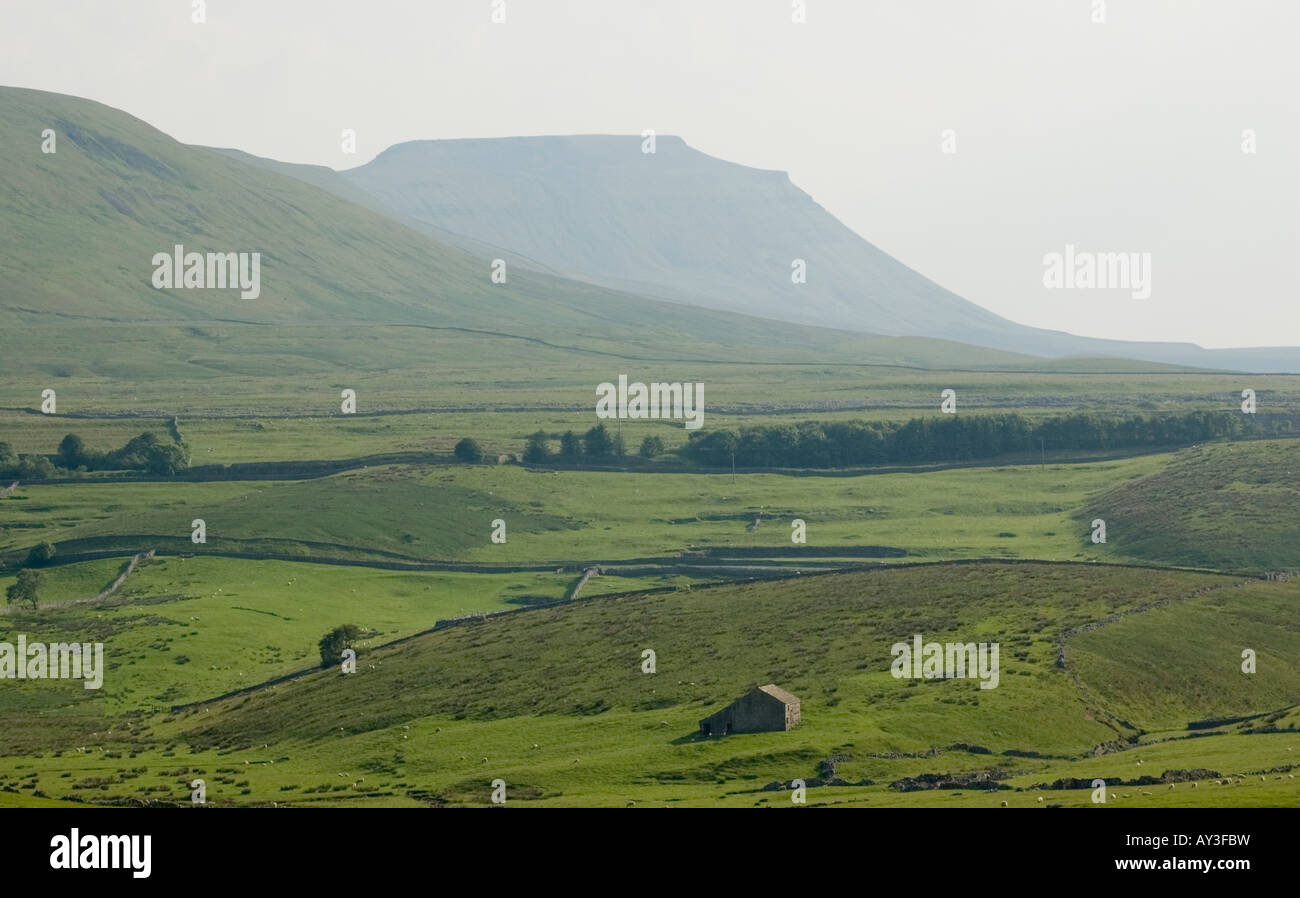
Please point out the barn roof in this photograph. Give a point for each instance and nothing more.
(779, 694)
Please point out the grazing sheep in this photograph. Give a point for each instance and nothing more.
(1040, 798)
(1004, 804)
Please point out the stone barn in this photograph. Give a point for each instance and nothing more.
(763, 709)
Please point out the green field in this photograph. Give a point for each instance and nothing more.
(516, 654)
(555, 703)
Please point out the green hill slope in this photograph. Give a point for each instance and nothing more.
(825, 638)
(79, 228)
(1228, 507)
(555, 701)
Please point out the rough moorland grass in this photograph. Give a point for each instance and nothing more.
(827, 638)
(446, 513)
(1183, 662)
(283, 403)
(392, 510)
(554, 702)
(1022, 511)
(183, 629)
(1229, 506)
(68, 582)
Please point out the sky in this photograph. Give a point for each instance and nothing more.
(1122, 135)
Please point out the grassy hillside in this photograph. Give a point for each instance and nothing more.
(185, 629)
(554, 701)
(1229, 507)
(445, 513)
(1183, 662)
(81, 225)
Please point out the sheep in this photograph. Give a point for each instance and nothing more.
(1004, 804)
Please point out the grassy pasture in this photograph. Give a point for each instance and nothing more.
(446, 513)
(554, 702)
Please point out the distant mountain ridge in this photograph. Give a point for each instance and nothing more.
(609, 249)
(681, 225)
(80, 226)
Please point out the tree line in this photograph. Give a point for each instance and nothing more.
(597, 444)
(143, 453)
(952, 438)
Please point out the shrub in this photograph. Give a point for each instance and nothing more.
(40, 555)
(468, 451)
(335, 641)
(597, 442)
(537, 450)
(72, 452)
(650, 447)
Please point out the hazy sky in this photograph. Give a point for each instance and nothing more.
(1122, 136)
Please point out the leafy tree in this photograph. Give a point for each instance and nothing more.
(536, 451)
(570, 446)
(8, 458)
(72, 452)
(36, 467)
(24, 588)
(598, 443)
(335, 641)
(40, 555)
(651, 446)
(164, 459)
(468, 451)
